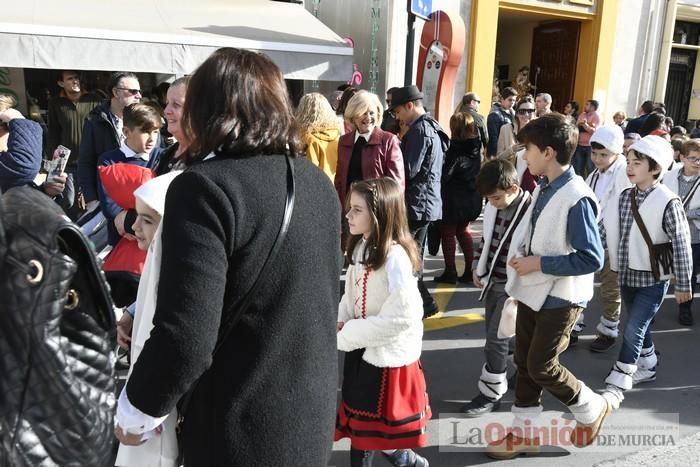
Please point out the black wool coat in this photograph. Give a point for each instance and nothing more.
(461, 203)
(268, 398)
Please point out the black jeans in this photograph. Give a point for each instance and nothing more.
(419, 231)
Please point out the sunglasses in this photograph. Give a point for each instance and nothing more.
(133, 92)
(526, 111)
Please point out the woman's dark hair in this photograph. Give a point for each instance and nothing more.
(653, 122)
(677, 130)
(237, 104)
(462, 126)
(344, 99)
(387, 208)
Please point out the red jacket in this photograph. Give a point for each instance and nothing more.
(381, 157)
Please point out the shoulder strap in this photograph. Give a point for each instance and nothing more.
(244, 304)
(688, 196)
(237, 310)
(643, 230)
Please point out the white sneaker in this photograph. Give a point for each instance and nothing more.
(613, 395)
(642, 375)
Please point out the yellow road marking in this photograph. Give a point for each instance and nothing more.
(442, 296)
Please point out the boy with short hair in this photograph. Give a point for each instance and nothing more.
(607, 181)
(554, 253)
(684, 180)
(142, 125)
(648, 212)
(507, 203)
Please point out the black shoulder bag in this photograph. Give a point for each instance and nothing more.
(660, 254)
(237, 310)
(57, 339)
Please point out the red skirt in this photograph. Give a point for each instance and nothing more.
(382, 408)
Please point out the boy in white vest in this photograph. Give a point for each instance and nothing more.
(554, 253)
(684, 180)
(607, 181)
(644, 280)
(507, 203)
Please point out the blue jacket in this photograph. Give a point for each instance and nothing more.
(424, 148)
(109, 208)
(22, 161)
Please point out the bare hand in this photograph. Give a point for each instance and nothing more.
(526, 264)
(124, 327)
(339, 325)
(477, 280)
(10, 114)
(128, 439)
(682, 297)
(56, 186)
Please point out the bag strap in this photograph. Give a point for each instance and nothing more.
(236, 311)
(645, 234)
(688, 196)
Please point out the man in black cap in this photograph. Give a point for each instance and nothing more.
(424, 146)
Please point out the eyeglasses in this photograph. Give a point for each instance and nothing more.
(133, 92)
(526, 111)
(694, 160)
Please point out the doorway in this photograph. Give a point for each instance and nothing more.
(553, 63)
(680, 84)
(544, 44)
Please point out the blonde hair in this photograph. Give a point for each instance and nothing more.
(315, 114)
(620, 113)
(6, 102)
(361, 103)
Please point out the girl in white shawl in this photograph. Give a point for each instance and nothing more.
(160, 449)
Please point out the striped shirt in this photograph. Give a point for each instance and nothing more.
(504, 218)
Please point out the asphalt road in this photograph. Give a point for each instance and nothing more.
(667, 410)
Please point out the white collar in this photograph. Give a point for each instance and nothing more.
(131, 154)
(364, 135)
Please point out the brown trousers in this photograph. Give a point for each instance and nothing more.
(540, 337)
(609, 292)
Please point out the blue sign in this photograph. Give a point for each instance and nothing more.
(421, 8)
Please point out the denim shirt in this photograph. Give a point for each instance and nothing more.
(581, 233)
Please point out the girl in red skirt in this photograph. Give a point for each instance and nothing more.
(385, 404)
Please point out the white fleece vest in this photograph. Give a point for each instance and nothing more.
(549, 239)
(671, 181)
(610, 200)
(484, 270)
(652, 214)
(391, 331)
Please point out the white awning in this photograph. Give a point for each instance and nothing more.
(167, 36)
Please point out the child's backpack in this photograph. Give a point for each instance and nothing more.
(57, 339)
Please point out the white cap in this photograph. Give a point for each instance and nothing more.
(153, 191)
(656, 148)
(610, 137)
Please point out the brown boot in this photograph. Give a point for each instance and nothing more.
(584, 434)
(512, 446)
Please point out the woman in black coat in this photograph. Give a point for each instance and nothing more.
(461, 203)
(268, 397)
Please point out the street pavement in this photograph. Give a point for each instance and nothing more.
(453, 357)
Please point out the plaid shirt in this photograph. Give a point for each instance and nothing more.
(676, 227)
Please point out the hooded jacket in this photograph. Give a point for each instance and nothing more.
(322, 150)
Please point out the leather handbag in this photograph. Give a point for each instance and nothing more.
(237, 310)
(57, 339)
